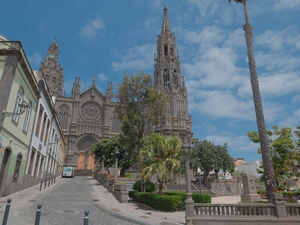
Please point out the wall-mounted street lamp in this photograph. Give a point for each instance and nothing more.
(23, 106)
(116, 166)
(55, 141)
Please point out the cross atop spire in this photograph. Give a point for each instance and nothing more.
(166, 25)
(94, 80)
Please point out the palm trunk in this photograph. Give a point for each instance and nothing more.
(269, 175)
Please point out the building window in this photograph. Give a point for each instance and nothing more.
(17, 168)
(38, 124)
(27, 118)
(17, 105)
(43, 127)
(47, 131)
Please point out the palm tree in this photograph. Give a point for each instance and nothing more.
(269, 175)
(161, 156)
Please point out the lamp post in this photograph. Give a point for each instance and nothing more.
(199, 171)
(116, 167)
(189, 203)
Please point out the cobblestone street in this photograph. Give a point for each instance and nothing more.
(66, 203)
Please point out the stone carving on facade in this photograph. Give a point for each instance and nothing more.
(90, 111)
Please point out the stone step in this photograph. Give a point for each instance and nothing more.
(78, 172)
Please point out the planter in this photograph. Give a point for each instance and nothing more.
(111, 182)
(120, 187)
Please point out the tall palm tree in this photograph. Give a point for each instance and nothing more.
(161, 156)
(269, 175)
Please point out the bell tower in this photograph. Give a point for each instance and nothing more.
(52, 72)
(168, 78)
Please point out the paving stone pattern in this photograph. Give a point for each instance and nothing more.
(66, 203)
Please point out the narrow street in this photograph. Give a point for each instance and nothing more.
(65, 204)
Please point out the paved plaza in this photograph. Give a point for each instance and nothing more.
(66, 200)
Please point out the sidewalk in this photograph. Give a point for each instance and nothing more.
(19, 206)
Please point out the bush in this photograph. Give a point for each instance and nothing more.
(261, 192)
(149, 186)
(198, 198)
(201, 198)
(128, 175)
(161, 202)
(132, 194)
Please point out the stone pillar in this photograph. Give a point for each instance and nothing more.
(249, 189)
(277, 200)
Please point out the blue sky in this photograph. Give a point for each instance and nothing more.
(110, 37)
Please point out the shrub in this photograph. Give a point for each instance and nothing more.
(132, 194)
(149, 186)
(201, 198)
(198, 198)
(161, 202)
(261, 192)
(128, 175)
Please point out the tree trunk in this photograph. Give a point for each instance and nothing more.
(160, 187)
(271, 185)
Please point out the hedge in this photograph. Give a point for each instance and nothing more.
(168, 201)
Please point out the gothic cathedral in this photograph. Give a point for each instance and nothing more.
(89, 116)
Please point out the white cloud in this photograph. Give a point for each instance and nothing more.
(220, 104)
(102, 77)
(238, 143)
(35, 59)
(272, 85)
(215, 68)
(206, 8)
(136, 58)
(91, 28)
(286, 4)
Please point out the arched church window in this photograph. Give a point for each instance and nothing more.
(63, 116)
(166, 49)
(115, 123)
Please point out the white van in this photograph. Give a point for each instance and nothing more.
(68, 171)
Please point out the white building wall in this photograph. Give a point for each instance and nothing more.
(250, 168)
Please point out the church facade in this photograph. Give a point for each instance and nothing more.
(87, 117)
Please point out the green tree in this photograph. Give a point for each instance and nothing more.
(284, 150)
(161, 156)
(140, 105)
(208, 157)
(271, 185)
(104, 151)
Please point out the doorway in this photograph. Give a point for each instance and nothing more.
(6, 156)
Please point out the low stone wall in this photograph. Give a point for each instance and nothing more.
(118, 190)
(222, 187)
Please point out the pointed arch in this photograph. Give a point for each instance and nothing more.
(63, 116)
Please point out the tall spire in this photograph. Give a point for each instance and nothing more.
(166, 25)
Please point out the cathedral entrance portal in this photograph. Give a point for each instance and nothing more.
(85, 156)
(85, 160)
